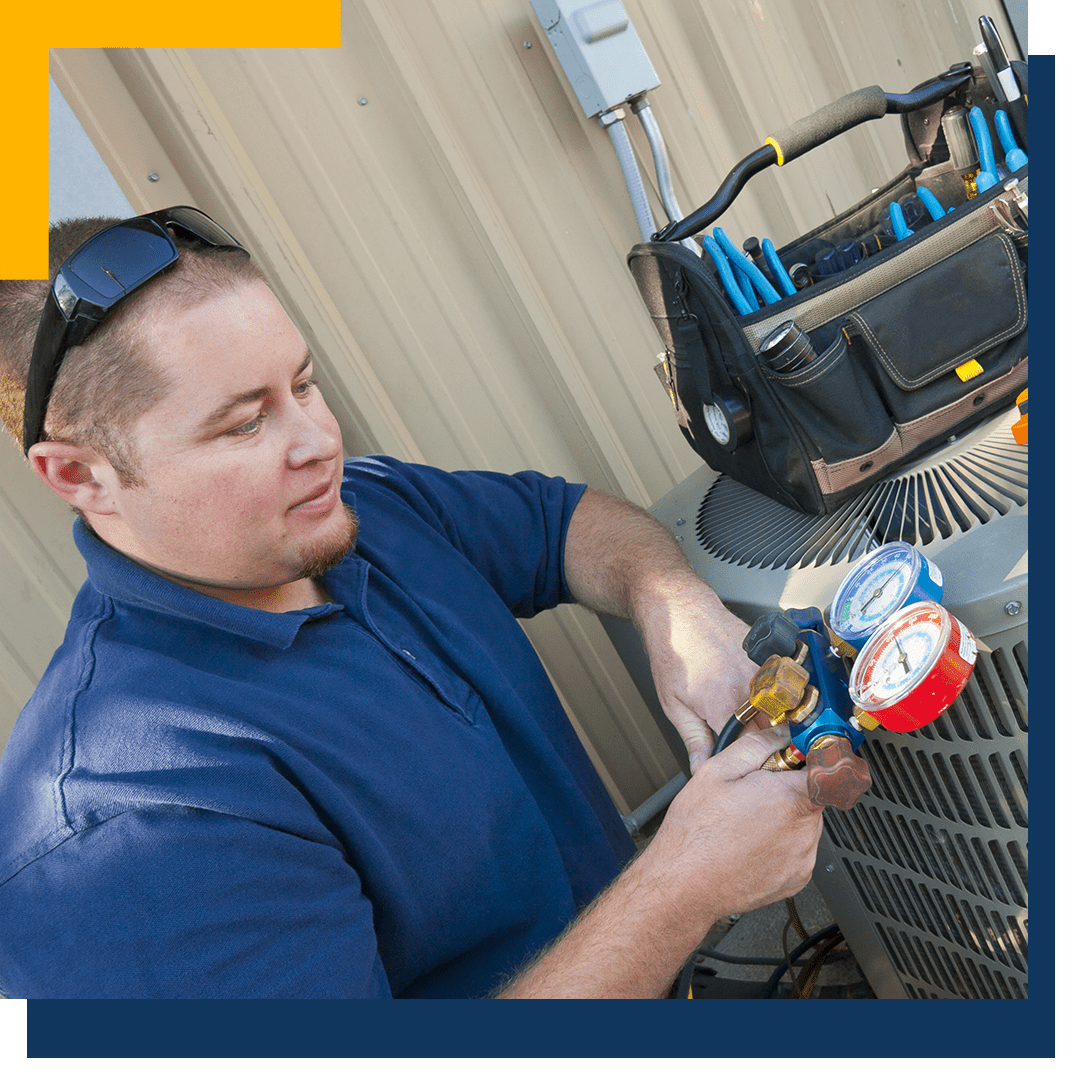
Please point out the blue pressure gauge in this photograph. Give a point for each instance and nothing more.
(881, 583)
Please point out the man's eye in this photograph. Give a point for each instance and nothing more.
(250, 427)
(304, 388)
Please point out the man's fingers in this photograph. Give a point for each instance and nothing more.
(748, 752)
(697, 736)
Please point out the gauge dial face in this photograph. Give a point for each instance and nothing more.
(891, 665)
(913, 667)
(879, 585)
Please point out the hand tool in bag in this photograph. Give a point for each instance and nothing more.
(732, 286)
(836, 260)
(763, 252)
(752, 246)
(930, 201)
(1002, 77)
(899, 225)
(988, 176)
(787, 286)
(752, 279)
(962, 152)
(1014, 156)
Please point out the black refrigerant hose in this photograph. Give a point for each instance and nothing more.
(729, 734)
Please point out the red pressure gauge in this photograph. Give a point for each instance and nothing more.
(913, 667)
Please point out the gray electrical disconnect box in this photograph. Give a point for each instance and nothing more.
(598, 49)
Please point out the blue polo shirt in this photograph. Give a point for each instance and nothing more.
(380, 796)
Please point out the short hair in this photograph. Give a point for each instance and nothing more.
(109, 381)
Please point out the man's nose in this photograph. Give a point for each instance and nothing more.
(316, 435)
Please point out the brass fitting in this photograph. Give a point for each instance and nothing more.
(865, 720)
(839, 645)
(786, 760)
(805, 708)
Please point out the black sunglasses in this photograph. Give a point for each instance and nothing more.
(99, 276)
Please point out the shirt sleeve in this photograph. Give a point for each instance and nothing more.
(174, 902)
(511, 527)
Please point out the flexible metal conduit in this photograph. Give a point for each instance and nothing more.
(631, 174)
(660, 159)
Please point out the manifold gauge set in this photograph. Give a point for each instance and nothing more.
(911, 657)
(884, 653)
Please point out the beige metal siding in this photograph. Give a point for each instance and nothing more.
(454, 248)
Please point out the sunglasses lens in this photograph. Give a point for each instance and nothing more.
(118, 260)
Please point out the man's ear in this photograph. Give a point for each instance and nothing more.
(80, 476)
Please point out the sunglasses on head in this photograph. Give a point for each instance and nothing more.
(97, 278)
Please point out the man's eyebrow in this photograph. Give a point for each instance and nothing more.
(219, 415)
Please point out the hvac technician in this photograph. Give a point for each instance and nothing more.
(295, 743)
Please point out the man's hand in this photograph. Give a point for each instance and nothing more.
(734, 839)
(699, 669)
(754, 834)
(621, 561)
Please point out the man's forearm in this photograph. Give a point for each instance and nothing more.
(621, 561)
(631, 942)
(615, 551)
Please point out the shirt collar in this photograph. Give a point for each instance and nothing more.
(117, 576)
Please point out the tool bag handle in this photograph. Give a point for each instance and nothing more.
(870, 103)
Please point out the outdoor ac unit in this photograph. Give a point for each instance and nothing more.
(927, 875)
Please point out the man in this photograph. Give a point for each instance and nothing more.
(295, 742)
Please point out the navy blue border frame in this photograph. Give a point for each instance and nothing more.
(671, 1029)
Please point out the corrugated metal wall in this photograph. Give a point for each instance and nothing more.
(450, 233)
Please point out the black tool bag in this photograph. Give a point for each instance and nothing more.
(918, 342)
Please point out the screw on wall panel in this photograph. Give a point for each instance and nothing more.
(829, 869)
(678, 539)
(681, 521)
(361, 101)
(153, 178)
(527, 44)
(1013, 607)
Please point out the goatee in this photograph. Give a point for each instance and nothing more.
(333, 549)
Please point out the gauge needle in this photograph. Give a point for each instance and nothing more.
(903, 660)
(876, 594)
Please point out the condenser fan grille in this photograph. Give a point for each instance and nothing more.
(952, 492)
(937, 849)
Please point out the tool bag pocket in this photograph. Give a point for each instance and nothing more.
(836, 402)
(963, 318)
